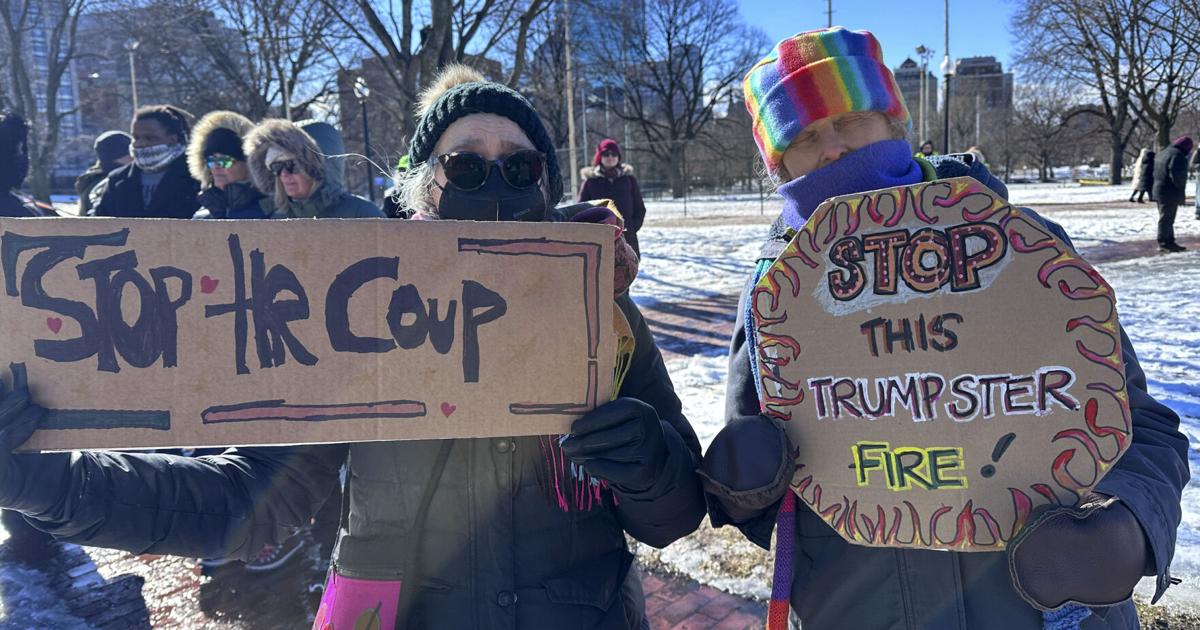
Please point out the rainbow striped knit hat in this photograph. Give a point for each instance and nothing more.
(814, 75)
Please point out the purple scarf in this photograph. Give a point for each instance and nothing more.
(880, 165)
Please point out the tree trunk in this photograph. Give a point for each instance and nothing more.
(675, 168)
(39, 178)
(1116, 160)
(1163, 134)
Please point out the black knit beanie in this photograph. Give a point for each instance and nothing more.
(477, 97)
(224, 141)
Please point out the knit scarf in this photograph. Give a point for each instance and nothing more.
(156, 158)
(880, 165)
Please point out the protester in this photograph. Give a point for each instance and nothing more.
(1195, 167)
(820, 144)
(926, 150)
(14, 166)
(610, 177)
(157, 182)
(112, 152)
(481, 532)
(1143, 176)
(392, 203)
(287, 164)
(216, 160)
(1170, 189)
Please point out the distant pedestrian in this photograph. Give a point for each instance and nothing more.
(393, 198)
(926, 150)
(1143, 176)
(112, 152)
(1170, 189)
(157, 182)
(1195, 167)
(609, 177)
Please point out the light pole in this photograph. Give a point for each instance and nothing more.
(947, 74)
(925, 54)
(361, 92)
(131, 47)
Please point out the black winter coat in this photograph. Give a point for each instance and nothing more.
(13, 206)
(1171, 175)
(496, 550)
(623, 189)
(840, 585)
(239, 200)
(175, 197)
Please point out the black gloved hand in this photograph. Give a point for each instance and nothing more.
(19, 418)
(620, 442)
(748, 466)
(1092, 554)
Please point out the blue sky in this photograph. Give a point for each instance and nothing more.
(977, 27)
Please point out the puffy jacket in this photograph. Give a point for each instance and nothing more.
(1143, 171)
(239, 200)
(1171, 175)
(175, 197)
(622, 188)
(497, 551)
(840, 585)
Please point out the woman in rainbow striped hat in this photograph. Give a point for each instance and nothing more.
(829, 120)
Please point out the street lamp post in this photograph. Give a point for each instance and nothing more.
(924, 53)
(947, 74)
(361, 92)
(131, 47)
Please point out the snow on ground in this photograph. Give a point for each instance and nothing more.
(1159, 306)
(28, 601)
(750, 205)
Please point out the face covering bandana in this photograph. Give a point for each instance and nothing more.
(494, 201)
(880, 165)
(156, 158)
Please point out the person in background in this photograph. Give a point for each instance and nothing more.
(112, 152)
(820, 143)
(216, 160)
(157, 183)
(1195, 168)
(1170, 189)
(926, 150)
(1143, 176)
(610, 177)
(304, 180)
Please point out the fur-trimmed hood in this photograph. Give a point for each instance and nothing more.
(212, 121)
(286, 136)
(596, 172)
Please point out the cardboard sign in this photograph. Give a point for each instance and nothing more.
(943, 364)
(158, 333)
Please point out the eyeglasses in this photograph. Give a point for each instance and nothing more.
(469, 171)
(278, 167)
(223, 161)
(610, 154)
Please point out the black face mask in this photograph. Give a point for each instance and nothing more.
(496, 200)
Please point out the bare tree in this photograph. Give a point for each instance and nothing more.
(455, 30)
(1167, 43)
(1087, 43)
(1041, 120)
(686, 57)
(40, 45)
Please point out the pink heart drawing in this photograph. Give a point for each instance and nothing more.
(208, 285)
(448, 409)
(54, 324)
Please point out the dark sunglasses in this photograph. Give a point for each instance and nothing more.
(610, 154)
(468, 171)
(223, 161)
(280, 166)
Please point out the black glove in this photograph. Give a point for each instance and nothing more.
(620, 442)
(19, 418)
(748, 466)
(1093, 554)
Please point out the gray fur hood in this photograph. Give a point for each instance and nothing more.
(286, 136)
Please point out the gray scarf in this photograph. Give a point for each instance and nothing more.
(156, 158)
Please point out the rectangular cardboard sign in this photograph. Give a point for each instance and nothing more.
(159, 333)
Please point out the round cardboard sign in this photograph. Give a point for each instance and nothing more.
(943, 364)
